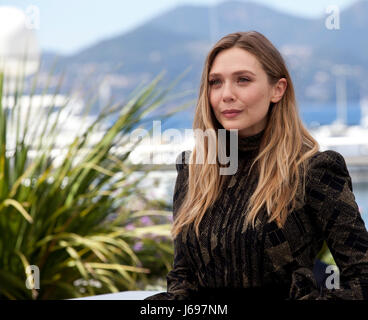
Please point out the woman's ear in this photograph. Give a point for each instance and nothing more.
(278, 90)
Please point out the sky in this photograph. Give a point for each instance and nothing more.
(67, 26)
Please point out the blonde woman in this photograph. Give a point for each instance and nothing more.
(256, 233)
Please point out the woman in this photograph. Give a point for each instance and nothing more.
(256, 233)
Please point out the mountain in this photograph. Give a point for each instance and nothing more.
(180, 38)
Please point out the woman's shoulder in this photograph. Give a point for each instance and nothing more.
(329, 167)
(330, 160)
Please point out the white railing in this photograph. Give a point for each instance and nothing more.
(124, 295)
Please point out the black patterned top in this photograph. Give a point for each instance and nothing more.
(226, 257)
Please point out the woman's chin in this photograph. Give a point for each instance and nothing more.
(231, 127)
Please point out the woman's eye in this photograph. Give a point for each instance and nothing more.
(217, 82)
(214, 82)
(243, 79)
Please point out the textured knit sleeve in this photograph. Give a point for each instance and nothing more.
(331, 204)
(181, 283)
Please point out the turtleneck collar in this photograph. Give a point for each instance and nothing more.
(250, 143)
(245, 144)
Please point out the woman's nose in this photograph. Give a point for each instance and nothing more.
(227, 93)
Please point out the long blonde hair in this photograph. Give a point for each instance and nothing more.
(285, 147)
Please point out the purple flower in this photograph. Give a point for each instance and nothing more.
(146, 221)
(130, 226)
(138, 246)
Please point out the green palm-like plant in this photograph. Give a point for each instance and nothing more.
(70, 219)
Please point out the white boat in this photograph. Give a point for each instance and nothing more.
(350, 141)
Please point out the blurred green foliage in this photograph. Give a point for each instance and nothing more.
(72, 219)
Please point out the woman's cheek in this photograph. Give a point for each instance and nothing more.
(214, 101)
(253, 98)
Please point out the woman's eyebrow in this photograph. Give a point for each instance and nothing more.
(234, 73)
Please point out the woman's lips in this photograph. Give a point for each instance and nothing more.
(231, 114)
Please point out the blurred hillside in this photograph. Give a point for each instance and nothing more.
(181, 38)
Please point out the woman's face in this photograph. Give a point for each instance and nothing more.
(238, 82)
